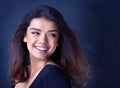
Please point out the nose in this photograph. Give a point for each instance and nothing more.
(42, 38)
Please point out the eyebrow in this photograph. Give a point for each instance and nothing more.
(48, 30)
(53, 31)
(35, 29)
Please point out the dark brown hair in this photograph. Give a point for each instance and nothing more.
(67, 55)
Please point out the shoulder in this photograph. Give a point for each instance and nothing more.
(52, 70)
(56, 78)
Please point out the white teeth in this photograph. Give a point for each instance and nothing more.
(40, 48)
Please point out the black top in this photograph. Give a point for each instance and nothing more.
(51, 77)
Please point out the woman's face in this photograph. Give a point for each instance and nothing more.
(41, 38)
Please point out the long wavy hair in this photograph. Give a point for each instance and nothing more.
(68, 54)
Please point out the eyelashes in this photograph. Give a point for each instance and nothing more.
(35, 33)
(51, 35)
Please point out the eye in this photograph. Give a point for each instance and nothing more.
(53, 35)
(35, 33)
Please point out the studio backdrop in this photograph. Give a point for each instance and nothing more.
(97, 27)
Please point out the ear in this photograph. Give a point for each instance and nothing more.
(25, 39)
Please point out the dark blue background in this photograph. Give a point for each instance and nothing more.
(95, 22)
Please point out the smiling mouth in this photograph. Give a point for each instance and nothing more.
(41, 48)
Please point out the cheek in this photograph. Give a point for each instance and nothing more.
(53, 44)
(30, 42)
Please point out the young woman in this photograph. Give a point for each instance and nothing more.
(45, 53)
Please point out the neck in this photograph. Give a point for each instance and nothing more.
(36, 66)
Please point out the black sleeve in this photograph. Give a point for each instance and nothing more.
(56, 80)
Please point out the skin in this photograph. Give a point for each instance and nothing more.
(41, 39)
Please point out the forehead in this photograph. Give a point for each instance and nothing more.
(43, 23)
